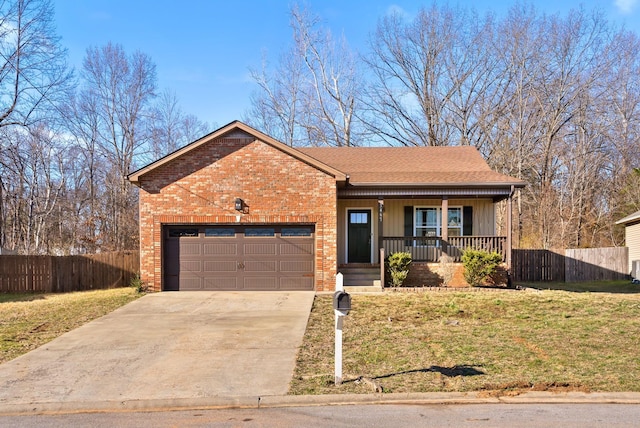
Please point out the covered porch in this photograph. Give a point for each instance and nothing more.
(427, 223)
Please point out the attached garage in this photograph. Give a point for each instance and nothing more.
(238, 210)
(239, 257)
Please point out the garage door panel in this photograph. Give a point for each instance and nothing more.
(190, 266)
(260, 249)
(220, 266)
(296, 249)
(221, 283)
(296, 266)
(296, 283)
(220, 249)
(261, 266)
(190, 248)
(193, 283)
(261, 283)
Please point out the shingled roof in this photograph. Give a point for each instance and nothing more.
(432, 166)
(451, 166)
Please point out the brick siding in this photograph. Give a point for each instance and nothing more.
(200, 187)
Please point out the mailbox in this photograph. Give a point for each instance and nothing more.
(342, 302)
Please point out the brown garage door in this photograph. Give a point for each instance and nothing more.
(230, 257)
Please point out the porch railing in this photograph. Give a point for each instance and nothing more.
(430, 249)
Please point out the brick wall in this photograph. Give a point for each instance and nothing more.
(201, 187)
(422, 274)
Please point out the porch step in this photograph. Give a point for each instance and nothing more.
(363, 288)
(361, 278)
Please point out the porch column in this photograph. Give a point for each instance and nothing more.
(380, 228)
(509, 228)
(444, 226)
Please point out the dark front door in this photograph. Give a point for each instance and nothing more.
(359, 236)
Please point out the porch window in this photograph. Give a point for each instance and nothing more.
(428, 221)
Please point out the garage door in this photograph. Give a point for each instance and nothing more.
(230, 257)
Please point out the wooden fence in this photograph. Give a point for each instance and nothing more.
(571, 265)
(537, 265)
(596, 264)
(59, 274)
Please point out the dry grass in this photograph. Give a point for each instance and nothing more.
(28, 321)
(493, 341)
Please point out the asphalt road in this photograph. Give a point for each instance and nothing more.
(397, 416)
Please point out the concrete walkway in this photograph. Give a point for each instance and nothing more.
(165, 347)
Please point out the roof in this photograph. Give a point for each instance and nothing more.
(236, 125)
(630, 218)
(461, 166)
(412, 166)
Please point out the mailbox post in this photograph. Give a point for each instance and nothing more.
(341, 308)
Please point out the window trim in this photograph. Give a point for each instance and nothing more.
(438, 225)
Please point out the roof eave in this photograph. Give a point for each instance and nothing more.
(630, 218)
(518, 184)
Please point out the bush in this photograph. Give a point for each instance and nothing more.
(138, 284)
(479, 265)
(399, 267)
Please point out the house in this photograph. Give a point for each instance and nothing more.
(238, 210)
(632, 239)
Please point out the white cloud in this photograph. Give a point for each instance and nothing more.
(626, 6)
(394, 9)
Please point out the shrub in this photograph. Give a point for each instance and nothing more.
(399, 267)
(138, 284)
(479, 265)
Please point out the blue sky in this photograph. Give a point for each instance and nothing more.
(203, 49)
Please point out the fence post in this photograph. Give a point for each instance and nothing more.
(52, 275)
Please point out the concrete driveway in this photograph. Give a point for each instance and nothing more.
(168, 346)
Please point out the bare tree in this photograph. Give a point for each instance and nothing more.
(33, 71)
(429, 76)
(276, 107)
(118, 89)
(170, 127)
(311, 96)
(34, 179)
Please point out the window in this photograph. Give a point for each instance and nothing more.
(295, 231)
(428, 221)
(358, 218)
(261, 231)
(454, 222)
(177, 233)
(220, 232)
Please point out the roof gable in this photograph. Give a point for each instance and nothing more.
(235, 129)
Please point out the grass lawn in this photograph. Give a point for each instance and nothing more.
(28, 321)
(498, 341)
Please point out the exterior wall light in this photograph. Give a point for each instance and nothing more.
(241, 206)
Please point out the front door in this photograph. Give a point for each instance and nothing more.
(359, 236)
